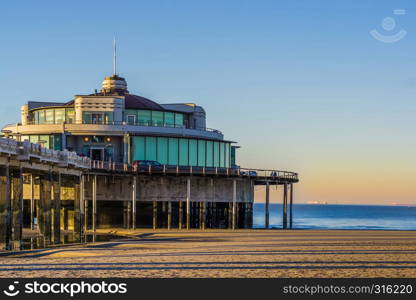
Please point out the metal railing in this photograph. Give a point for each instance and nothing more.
(124, 123)
(26, 151)
(195, 170)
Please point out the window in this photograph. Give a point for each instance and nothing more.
(201, 152)
(183, 152)
(222, 155)
(97, 118)
(150, 148)
(216, 154)
(145, 117)
(157, 118)
(169, 119)
(70, 115)
(59, 116)
(131, 119)
(178, 120)
(162, 150)
(139, 148)
(193, 152)
(49, 116)
(227, 155)
(41, 117)
(44, 141)
(173, 151)
(210, 161)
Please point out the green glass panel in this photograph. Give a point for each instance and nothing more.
(49, 116)
(24, 138)
(138, 147)
(150, 148)
(86, 117)
(41, 117)
(157, 118)
(162, 150)
(201, 152)
(173, 151)
(145, 117)
(108, 153)
(216, 154)
(36, 113)
(210, 161)
(222, 155)
(57, 142)
(169, 119)
(59, 115)
(70, 115)
(233, 156)
(183, 152)
(86, 150)
(193, 152)
(227, 155)
(108, 117)
(178, 120)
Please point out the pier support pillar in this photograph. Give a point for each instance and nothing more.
(5, 210)
(45, 217)
(16, 207)
(234, 208)
(154, 215)
(203, 215)
(77, 208)
(266, 206)
(134, 203)
(285, 206)
(94, 203)
(32, 202)
(180, 213)
(82, 205)
(188, 203)
(291, 207)
(229, 214)
(56, 208)
(169, 214)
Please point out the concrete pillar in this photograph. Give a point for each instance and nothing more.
(169, 214)
(16, 207)
(134, 196)
(154, 215)
(188, 203)
(77, 209)
(94, 203)
(266, 206)
(234, 204)
(45, 216)
(5, 208)
(56, 208)
(180, 214)
(32, 202)
(82, 204)
(285, 206)
(291, 207)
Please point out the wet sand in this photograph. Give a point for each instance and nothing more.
(223, 253)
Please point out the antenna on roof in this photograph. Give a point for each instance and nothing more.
(115, 58)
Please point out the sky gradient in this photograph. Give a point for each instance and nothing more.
(301, 85)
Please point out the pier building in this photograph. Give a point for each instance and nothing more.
(114, 159)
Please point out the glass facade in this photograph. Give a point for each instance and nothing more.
(181, 151)
(153, 118)
(47, 141)
(53, 116)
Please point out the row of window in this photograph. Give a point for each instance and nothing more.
(181, 151)
(53, 116)
(153, 118)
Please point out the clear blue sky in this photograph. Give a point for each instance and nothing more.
(302, 85)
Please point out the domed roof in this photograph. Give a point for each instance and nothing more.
(139, 102)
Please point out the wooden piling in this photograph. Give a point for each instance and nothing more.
(134, 196)
(94, 203)
(234, 208)
(188, 203)
(285, 206)
(291, 207)
(266, 206)
(154, 215)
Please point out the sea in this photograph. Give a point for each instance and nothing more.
(336, 216)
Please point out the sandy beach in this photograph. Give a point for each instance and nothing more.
(223, 253)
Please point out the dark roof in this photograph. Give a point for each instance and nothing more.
(131, 102)
(138, 102)
(39, 104)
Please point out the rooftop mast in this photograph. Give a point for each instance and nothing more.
(115, 58)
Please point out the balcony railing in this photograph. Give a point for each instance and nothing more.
(260, 174)
(123, 123)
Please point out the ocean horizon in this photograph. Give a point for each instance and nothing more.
(340, 216)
